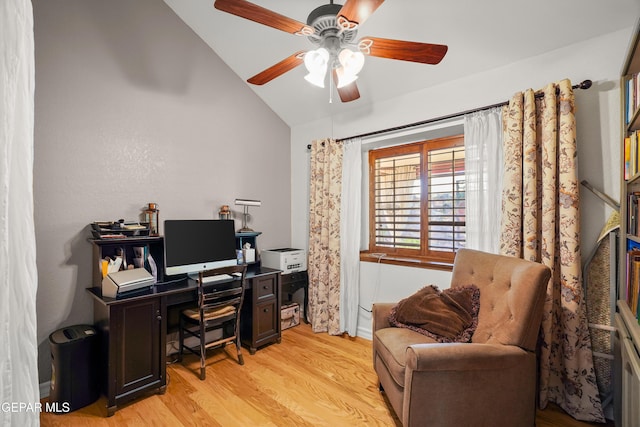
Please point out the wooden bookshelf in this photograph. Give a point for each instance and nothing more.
(627, 357)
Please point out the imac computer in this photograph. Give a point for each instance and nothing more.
(192, 246)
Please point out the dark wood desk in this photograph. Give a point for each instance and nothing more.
(293, 282)
(133, 331)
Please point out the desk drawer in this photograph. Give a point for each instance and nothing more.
(267, 320)
(290, 283)
(190, 297)
(260, 322)
(265, 287)
(299, 276)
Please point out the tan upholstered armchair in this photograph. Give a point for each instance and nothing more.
(490, 381)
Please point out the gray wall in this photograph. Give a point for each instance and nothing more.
(132, 107)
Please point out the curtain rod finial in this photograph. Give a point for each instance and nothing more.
(585, 84)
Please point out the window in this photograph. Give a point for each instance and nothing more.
(417, 199)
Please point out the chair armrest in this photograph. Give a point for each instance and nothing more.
(491, 382)
(463, 357)
(380, 315)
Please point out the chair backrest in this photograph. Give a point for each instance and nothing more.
(512, 295)
(219, 294)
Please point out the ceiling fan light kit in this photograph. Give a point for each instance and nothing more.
(333, 28)
(317, 62)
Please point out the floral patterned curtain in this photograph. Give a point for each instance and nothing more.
(541, 222)
(324, 235)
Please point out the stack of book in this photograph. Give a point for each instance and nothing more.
(633, 282)
(631, 155)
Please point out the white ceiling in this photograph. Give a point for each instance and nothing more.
(481, 35)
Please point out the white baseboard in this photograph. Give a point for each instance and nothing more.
(365, 333)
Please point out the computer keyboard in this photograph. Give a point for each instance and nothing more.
(216, 278)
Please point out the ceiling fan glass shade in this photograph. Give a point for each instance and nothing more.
(316, 79)
(344, 78)
(316, 62)
(351, 61)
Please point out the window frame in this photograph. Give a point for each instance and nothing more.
(411, 256)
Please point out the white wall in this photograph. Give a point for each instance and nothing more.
(598, 122)
(132, 107)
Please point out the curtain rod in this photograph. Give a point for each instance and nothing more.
(585, 84)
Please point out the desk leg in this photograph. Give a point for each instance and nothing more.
(111, 409)
(306, 303)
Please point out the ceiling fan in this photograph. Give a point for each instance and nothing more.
(333, 28)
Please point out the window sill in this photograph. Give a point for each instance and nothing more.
(407, 262)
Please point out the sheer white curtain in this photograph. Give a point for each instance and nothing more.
(484, 169)
(18, 274)
(350, 206)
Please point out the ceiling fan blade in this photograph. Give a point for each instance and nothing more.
(278, 69)
(347, 93)
(424, 53)
(261, 15)
(357, 11)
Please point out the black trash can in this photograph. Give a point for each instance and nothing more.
(73, 368)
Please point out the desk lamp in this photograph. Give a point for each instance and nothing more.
(246, 203)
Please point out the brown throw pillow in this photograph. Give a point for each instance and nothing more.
(446, 316)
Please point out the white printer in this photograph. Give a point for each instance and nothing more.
(114, 284)
(288, 260)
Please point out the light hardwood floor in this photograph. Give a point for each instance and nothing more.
(307, 380)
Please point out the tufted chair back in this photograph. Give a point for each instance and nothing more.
(510, 302)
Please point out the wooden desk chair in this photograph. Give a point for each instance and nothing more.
(219, 304)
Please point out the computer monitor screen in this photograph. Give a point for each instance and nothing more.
(191, 246)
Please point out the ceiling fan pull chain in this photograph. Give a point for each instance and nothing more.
(330, 88)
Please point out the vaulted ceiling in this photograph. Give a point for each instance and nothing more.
(481, 35)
